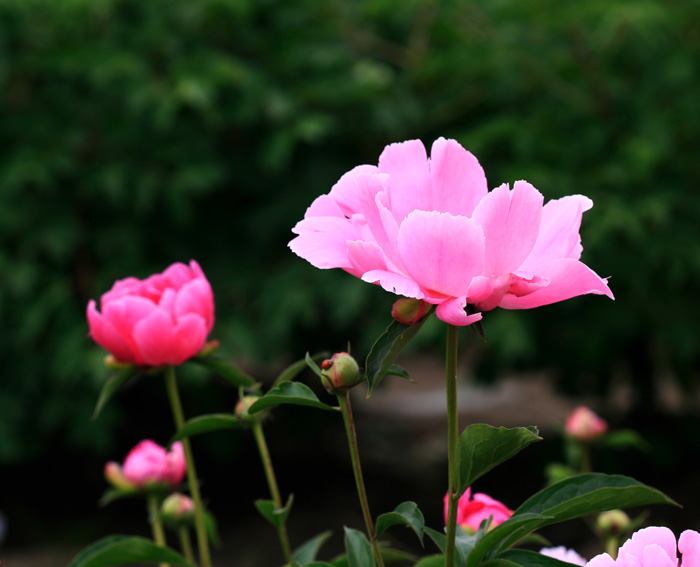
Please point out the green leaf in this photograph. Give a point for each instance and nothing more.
(110, 388)
(312, 364)
(121, 549)
(308, 550)
(358, 548)
(293, 370)
(400, 371)
(626, 438)
(482, 447)
(386, 348)
(212, 528)
(584, 495)
(207, 423)
(227, 370)
(437, 537)
(407, 514)
(431, 561)
(289, 393)
(276, 516)
(524, 558)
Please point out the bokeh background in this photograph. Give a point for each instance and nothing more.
(134, 134)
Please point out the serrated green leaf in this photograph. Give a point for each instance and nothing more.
(289, 393)
(121, 549)
(227, 370)
(206, 424)
(406, 514)
(276, 516)
(386, 349)
(359, 550)
(482, 447)
(308, 550)
(294, 369)
(524, 558)
(111, 387)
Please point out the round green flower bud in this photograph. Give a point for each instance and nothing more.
(612, 522)
(242, 407)
(339, 373)
(178, 510)
(408, 310)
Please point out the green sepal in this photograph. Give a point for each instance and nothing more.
(386, 349)
(308, 550)
(206, 424)
(524, 558)
(289, 393)
(311, 363)
(407, 514)
(482, 447)
(359, 550)
(294, 369)
(122, 549)
(227, 370)
(111, 386)
(276, 516)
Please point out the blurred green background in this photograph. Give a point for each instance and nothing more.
(135, 134)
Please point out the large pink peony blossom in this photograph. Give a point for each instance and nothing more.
(147, 464)
(654, 547)
(164, 319)
(429, 228)
(471, 511)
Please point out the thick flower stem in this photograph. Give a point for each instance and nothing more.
(346, 410)
(156, 524)
(452, 438)
(272, 484)
(186, 543)
(200, 526)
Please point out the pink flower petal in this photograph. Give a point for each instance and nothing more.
(322, 241)
(196, 297)
(395, 283)
(153, 336)
(602, 560)
(441, 252)
(188, 339)
(511, 223)
(656, 556)
(689, 546)
(655, 535)
(568, 278)
(365, 257)
(452, 311)
(409, 176)
(345, 192)
(108, 337)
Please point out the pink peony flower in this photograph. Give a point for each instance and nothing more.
(563, 554)
(149, 463)
(654, 547)
(584, 424)
(164, 319)
(472, 511)
(430, 229)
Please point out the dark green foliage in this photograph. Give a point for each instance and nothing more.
(135, 134)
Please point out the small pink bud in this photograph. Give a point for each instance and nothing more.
(408, 310)
(150, 465)
(612, 523)
(340, 373)
(178, 509)
(583, 424)
(242, 407)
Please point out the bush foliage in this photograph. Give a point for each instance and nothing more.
(136, 134)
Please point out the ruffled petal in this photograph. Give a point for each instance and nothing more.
(602, 560)
(654, 535)
(365, 257)
(196, 297)
(441, 252)
(511, 223)
(108, 337)
(345, 192)
(567, 278)
(153, 336)
(409, 177)
(188, 339)
(689, 546)
(656, 556)
(395, 283)
(322, 241)
(452, 311)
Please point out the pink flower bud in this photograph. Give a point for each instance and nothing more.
(150, 464)
(178, 509)
(584, 425)
(339, 373)
(408, 310)
(164, 319)
(472, 511)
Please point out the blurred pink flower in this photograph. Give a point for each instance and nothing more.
(148, 463)
(654, 547)
(584, 424)
(164, 319)
(563, 554)
(472, 511)
(430, 229)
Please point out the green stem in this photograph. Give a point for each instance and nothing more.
(452, 438)
(200, 526)
(156, 524)
(186, 543)
(272, 484)
(346, 410)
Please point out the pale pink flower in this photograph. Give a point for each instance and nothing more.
(584, 424)
(563, 554)
(164, 319)
(149, 463)
(654, 547)
(430, 229)
(471, 511)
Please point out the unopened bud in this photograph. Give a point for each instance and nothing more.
(242, 407)
(339, 373)
(585, 425)
(612, 523)
(408, 310)
(178, 509)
